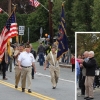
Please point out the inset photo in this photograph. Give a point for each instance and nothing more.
(87, 65)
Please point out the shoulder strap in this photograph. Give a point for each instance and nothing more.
(52, 58)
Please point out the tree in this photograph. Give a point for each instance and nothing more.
(90, 42)
(82, 15)
(96, 16)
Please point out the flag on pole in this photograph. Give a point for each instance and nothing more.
(1, 10)
(62, 37)
(35, 3)
(10, 30)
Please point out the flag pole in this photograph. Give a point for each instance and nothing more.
(17, 38)
(5, 13)
(44, 6)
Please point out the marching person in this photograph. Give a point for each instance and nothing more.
(54, 66)
(4, 63)
(10, 59)
(34, 54)
(40, 52)
(17, 70)
(25, 62)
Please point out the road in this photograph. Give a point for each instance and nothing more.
(41, 86)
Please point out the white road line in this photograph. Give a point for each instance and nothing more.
(59, 78)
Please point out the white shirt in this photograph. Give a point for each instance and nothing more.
(26, 59)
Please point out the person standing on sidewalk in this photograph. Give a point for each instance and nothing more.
(25, 62)
(90, 74)
(17, 70)
(54, 66)
(73, 62)
(85, 57)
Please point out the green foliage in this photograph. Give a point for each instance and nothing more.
(81, 13)
(35, 45)
(90, 42)
(96, 15)
(3, 19)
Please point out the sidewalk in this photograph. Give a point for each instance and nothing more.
(96, 94)
(65, 65)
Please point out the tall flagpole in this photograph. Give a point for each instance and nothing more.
(44, 6)
(9, 13)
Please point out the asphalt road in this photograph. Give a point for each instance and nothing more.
(41, 86)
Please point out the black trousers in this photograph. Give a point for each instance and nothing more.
(83, 85)
(73, 67)
(32, 72)
(4, 65)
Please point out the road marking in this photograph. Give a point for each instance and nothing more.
(40, 96)
(59, 78)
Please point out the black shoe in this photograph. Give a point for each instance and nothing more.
(5, 78)
(91, 97)
(23, 89)
(16, 86)
(32, 77)
(53, 87)
(86, 97)
(29, 91)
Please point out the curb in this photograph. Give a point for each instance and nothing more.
(65, 66)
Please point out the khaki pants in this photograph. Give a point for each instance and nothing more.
(54, 72)
(17, 75)
(26, 72)
(89, 86)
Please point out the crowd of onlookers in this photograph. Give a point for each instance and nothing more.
(86, 67)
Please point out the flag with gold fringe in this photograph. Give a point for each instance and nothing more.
(62, 36)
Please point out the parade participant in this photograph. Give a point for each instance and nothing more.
(10, 59)
(4, 63)
(17, 70)
(34, 54)
(40, 52)
(25, 62)
(54, 66)
(90, 74)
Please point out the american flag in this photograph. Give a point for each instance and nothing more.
(35, 3)
(9, 31)
(1, 10)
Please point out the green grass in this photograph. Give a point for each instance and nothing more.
(35, 45)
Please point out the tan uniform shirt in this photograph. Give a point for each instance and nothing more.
(50, 59)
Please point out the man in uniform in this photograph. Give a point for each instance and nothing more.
(25, 62)
(54, 66)
(17, 70)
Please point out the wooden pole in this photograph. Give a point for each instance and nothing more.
(9, 12)
(50, 21)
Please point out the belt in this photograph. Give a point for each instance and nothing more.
(16, 64)
(25, 66)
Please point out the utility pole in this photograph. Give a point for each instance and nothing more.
(50, 21)
(9, 7)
